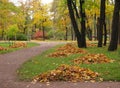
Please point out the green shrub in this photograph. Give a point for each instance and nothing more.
(21, 37)
(18, 37)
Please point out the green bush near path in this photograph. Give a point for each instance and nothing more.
(42, 63)
(6, 45)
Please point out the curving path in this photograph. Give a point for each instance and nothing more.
(11, 61)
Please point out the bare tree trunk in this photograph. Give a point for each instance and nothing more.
(74, 23)
(95, 29)
(2, 33)
(102, 22)
(105, 34)
(72, 35)
(43, 33)
(115, 27)
(119, 28)
(98, 27)
(66, 34)
(83, 27)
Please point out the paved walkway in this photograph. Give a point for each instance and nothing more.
(10, 62)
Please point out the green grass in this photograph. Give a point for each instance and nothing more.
(43, 63)
(6, 45)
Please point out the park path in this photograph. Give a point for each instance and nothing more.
(10, 62)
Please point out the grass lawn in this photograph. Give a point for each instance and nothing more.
(6, 45)
(43, 63)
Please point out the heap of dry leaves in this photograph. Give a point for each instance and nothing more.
(2, 48)
(93, 59)
(67, 50)
(18, 44)
(67, 73)
(91, 45)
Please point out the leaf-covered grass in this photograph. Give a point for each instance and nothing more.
(43, 63)
(6, 45)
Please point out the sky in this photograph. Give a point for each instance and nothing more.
(43, 1)
(46, 1)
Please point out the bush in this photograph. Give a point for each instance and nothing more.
(18, 37)
(21, 37)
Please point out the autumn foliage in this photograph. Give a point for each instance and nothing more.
(67, 73)
(14, 45)
(18, 44)
(66, 50)
(92, 59)
(2, 48)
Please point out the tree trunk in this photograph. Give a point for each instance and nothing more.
(83, 27)
(72, 36)
(2, 34)
(66, 34)
(95, 29)
(74, 23)
(102, 22)
(43, 33)
(89, 33)
(74, 5)
(119, 29)
(98, 27)
(105, 34)
(115, 25)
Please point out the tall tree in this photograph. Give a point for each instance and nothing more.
(83, 27)
(115, 27)
(102, 23)
(119, 29)
(74, 23)
(24, 16)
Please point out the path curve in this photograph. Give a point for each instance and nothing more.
(10, 62)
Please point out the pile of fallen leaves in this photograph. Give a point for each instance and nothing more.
(93, 59)
(67, 73)
(67, 50)
(2, 48)
(91, 44)
(58, 54)
(18, 44)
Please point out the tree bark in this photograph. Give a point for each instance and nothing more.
(115, 25)
(83, 27)
(43, 30)
(74, 23)
(98, 27)
(95, 28)
(2, 34)
(72, 35)
(74, 5)
(105, 34)
(66, 34)
(102, 22)
(119, 28)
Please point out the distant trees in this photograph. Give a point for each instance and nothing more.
(7, 15)
(61, 21)
(28, 16)
(40, 16)
(92, 17)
